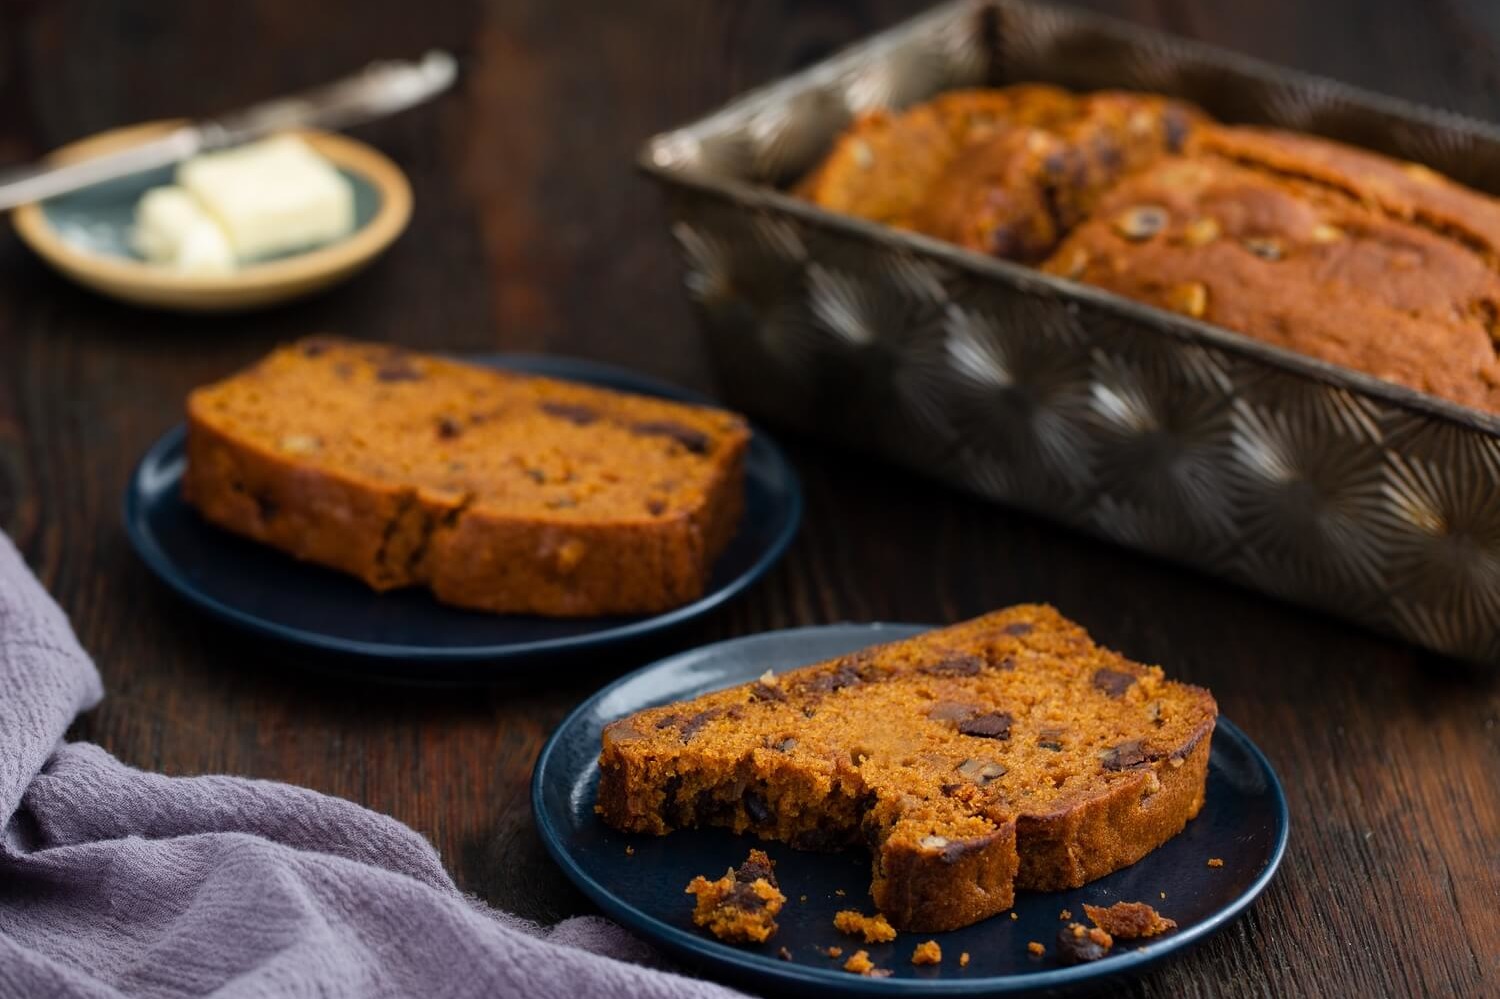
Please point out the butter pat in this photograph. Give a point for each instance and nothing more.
(173, 231)
(271, 196)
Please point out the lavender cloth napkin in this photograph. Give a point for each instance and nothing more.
(115, 882)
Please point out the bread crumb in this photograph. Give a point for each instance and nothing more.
(963, 959)
(1014, 916)
(1066, 914)
(839, 892)
(1129, 920)
(1036, 949)
(630, 851)
(784, 954)
(860, 964)
(802, 899)
(1215, 862)
(927, 952)
(1163, 894)
(875, 929)
(741, 906)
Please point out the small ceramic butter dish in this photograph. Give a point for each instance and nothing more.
(87, 235)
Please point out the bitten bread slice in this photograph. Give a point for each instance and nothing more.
(1008, 751)
(498, 491)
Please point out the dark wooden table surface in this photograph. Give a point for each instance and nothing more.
(532, 232)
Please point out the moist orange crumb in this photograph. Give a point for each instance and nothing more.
(833, 952)
(1036, 949)
(875, 929)
(1212, 862)
(1065, 914)
(741, 906)
(927, 952)
(860, 964)
(963, 959)
(1129, 920)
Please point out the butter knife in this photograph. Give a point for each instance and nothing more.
(380, 89)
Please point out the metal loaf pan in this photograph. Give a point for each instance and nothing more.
(1304, 480)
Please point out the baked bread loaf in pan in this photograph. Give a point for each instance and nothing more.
(1006, 752)
(497, 491)
(1335, 252)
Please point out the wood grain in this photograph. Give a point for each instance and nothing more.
(533, 232)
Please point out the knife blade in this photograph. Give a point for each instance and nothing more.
(380, 89)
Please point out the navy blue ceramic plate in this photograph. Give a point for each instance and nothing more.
(407, 631)
(1244, 822)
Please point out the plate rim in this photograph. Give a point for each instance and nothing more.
(164, 568)
(679, 941)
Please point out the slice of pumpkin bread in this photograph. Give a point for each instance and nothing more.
(1008, 751)
(498, 491)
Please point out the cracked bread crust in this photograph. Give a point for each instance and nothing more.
(1006, 171)
(883, 167)
(1008, 751)
(498, 492)
(1016, 195)
(1332, 252)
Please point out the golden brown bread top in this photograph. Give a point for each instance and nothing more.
(492, 441)
(884, 166)
(1302, 264)
(1017, 193)
(1398, 189)
(950, 733)
(1003, 171)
